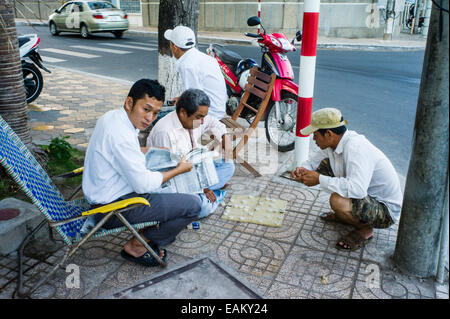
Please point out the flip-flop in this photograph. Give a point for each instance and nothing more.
(353, 240)
(146, 259)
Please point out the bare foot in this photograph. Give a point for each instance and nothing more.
(225, 186)
(365, 232)
(134, 248)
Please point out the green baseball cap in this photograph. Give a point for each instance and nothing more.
(325, 118)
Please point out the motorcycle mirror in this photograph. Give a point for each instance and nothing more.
(253, 21)
(298, 36)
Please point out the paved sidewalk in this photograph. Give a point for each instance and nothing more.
(297, 260)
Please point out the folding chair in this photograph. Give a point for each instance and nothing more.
(66, 217)
(259, 87)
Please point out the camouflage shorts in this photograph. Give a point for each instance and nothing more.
(368, 210)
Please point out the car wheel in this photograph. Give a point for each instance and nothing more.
(118, 34)
(84, 31)
(53, 29)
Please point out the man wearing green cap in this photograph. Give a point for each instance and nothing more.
(365, 189)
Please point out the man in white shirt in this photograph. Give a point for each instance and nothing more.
(197, 69)
(114, 169)
(180, 131)
(365, 187)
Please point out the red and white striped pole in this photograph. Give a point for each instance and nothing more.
(306, 77)
(259, 13)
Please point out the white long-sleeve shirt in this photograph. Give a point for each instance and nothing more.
(114, 164)
(360, 169)
(200, 71)
(169, 132)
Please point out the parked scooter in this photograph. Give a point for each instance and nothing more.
(281, 113)
(32, 77)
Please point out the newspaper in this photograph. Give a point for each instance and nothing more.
(202, 175)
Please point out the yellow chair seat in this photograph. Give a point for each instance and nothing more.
(117, 205)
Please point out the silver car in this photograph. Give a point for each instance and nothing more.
(87, 17)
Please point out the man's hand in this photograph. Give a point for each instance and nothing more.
(297, 174)
(184, 165)
(310, 178)
(307, 177)
(210, 195)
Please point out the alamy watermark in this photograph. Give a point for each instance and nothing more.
(73, 20)
(373, 276)
(73, 279)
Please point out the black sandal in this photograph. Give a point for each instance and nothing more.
(147, 258)
(353, 241)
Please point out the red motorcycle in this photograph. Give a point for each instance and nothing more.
(281, 114)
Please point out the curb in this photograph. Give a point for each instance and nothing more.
(25, 23)
(214, 39)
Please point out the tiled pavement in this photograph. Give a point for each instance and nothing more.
(297, 260)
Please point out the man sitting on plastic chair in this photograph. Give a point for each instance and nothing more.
(115, 169)
(179, 132)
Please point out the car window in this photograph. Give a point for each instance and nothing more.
(66, 8)
(100, 5)
(78, 6)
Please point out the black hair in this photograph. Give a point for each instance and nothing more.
(146, 86)
(336, 130)
(191, 99)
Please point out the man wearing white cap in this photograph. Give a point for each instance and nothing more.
(197, 69)
(364, 185)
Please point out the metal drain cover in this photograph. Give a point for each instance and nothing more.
(202, 278)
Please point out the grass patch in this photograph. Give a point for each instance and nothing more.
(62, 159)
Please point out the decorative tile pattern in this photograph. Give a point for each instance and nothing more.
(251, 254)
(320, 272)
(298, 260)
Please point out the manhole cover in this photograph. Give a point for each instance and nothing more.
(9, 213)
(203, 278)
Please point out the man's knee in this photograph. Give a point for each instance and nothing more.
(340, 204)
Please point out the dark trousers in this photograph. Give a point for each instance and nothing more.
(173, 211)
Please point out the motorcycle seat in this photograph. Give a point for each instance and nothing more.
(23, 40)
(227, 56)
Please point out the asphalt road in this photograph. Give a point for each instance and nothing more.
(376, 91)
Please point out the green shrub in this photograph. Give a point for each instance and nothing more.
(60, 149)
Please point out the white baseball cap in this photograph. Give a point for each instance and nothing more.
(183, 37)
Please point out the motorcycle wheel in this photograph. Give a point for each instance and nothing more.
(409, 23)
(282, 134)
(33, 81)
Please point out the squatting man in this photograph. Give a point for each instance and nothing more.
(365, 189)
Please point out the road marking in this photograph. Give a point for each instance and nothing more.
(143, 43)
(129, 46)
(84, 47)
(77, 54)
(51, 60)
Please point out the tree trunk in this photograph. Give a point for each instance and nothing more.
(13, 105)
(171, 14)
(422, 217)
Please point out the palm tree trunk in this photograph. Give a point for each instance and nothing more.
(13, 105)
